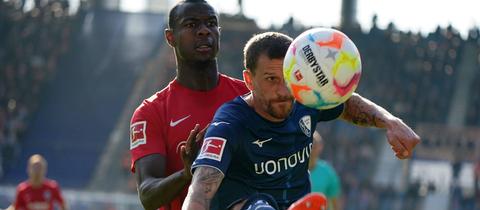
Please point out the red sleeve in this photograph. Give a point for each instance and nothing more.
(57, 194)
(19, 202)
(146, 136)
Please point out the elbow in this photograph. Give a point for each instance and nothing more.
(147, 201)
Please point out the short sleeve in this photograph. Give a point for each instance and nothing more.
(57, 194)
(146, 135)
(331, 114)
(19, 202)
(218, 147)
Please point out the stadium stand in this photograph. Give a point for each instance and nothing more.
(31, 44)
(81, 104)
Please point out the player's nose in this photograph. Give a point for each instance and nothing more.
(283, 91)
(203, 30)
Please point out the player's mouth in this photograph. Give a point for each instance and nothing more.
(283, 102)
(204, 48)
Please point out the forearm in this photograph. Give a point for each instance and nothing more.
(204, 185)
(361, 111)
(196, 199)
(156, 192)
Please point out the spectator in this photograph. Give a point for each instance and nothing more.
(323, 177)
(38, 192)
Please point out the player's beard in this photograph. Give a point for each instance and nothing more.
(280, 110)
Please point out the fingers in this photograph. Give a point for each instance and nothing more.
(201, 134)
(400, 150)
(183, 153)
(191, 139)
(186, 162)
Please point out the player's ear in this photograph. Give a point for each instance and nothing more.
(247, 78)
(170, 37)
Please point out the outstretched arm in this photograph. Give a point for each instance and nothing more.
(361, 111)
(205, 183)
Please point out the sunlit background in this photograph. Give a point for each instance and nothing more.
(72, 72)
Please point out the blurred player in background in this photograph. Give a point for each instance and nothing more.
(38, 192)
(160, 126)
(255, 152)
(323, 177)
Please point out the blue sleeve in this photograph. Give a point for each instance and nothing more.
(218, 147)
(330, 114)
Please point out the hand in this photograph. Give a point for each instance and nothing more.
(188, 152)
(401, 138)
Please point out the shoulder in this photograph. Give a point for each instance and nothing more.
(153, 104)
(237, 84)
(50, 183)
(232, 110)
(230, 79)
(326, 166)
(23, 186)
(229, 118)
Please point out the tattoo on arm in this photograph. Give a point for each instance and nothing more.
(363, 112)
(205, 183)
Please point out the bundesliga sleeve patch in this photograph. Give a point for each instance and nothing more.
(137, 134)
(212, 148)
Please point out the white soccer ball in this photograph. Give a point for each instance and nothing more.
(322, 68)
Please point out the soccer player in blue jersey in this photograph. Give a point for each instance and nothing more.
(255, 152)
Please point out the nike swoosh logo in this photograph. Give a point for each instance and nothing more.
(218, 123)
(173, 124)
(260, 142)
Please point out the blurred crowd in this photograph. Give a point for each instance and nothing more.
(473, 112)
(31, 43)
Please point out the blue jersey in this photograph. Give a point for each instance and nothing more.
(257, 155)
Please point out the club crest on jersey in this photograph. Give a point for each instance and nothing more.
(137, 134)
(305, 124)
(47, 195)
(212, 148)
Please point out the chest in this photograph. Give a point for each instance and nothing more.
(182, 119)
(274, 152)
(38, 195)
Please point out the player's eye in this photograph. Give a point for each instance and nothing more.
(190, 25)
(212, 23)
(271, 79)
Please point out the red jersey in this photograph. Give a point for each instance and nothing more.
(162, 123)
(42, 198)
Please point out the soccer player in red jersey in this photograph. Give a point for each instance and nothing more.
(38, 192)
(161, 125)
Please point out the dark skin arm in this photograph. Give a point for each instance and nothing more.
(156, 190)
(361, 111)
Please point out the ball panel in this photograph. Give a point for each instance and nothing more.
(322, 68)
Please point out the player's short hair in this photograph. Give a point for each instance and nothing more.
(36, 158)
(172, 14)
(272, 44)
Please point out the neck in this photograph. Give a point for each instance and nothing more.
(201, 76)
(36, 182)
